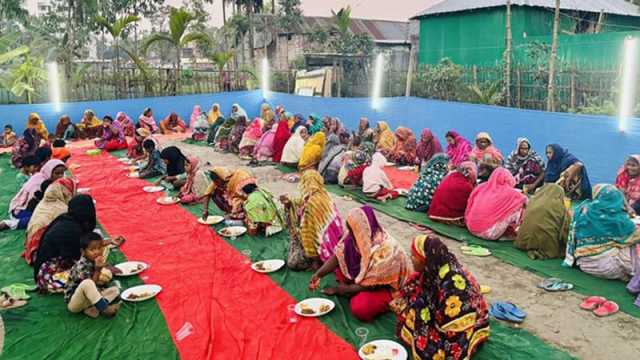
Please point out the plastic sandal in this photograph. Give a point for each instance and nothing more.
(606, 308)
(592, 302)
(485, 289)
(7, 302)
(507, 312)
(475, 250)
(555, 285)
(513, 310)
(18, 291)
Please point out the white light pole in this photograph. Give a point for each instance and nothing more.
(265, 78)
(54, 86)
(629, 75)
(377, 82)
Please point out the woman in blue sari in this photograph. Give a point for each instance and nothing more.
(567, 171)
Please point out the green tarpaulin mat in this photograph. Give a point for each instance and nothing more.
(44, 329)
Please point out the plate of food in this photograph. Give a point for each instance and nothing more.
(233, 231)
(211, 220)
(314, 307)
(383, 350)
(133, 175)
(130, 268)
(83, 190)
(153, 189)
(168, 200)
(141, 293)
(267, 266)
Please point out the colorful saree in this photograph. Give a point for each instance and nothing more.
(630, 186)
(526, 169)
(431, 175)
(404, 152)
(312, 152)
(460, 149)
(281, 137)
(449, 201)
(557, 166)
(127, 124)
(428, 146)
(386, 141)
(250, 137)
(489, 155)
(293, 149)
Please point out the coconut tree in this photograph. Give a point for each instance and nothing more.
(178, 36)
(116, 30)
(221, 59)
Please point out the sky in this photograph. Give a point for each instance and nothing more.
(369, 9)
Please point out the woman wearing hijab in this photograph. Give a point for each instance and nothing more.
(331, 162)
(293, 149)
(264, 148)
(295, 121)
(53, 204)
(235, 136)
(172, 124)
(175, 163)
(486, 156)
(371, 266)
(375, 182)
(526, 166)
(24, 202)
(65, 129)
(196, 182)
(441, 311)
(628, 182)
(315, 125)
(312, 152)
(404, 152)
(215, 119)
(431, 175)
(449, 201)
(495, 208)
(237, 111)
(365, 133)
(89, 127)
(250, 137)
(200, 128)
(262, 214)
(280, 139)
(545, 226)
(26, 146)
(458, 148)
(567, 171)
(195, 114)
(428, 146)
(226, 191)
(35, 122)
(126, 123)
(112, 138)
(603, 240)
(146, 121)
(385, 140)
(223, 136)
(135, 150)
(314, 223)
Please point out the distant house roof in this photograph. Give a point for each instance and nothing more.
(616, 7)
(381, 31)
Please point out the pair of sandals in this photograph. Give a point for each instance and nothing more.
(599, 306)
(15, 295)
(475, 250)
(507, 311)
(555, 285)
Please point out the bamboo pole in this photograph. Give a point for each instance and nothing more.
(551, 93)
(507, 55)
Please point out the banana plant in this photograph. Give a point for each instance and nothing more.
(25, 78)
(13, 54)
(178, 36)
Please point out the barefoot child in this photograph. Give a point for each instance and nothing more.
(154, 166)
(81, 292)
(8, 137)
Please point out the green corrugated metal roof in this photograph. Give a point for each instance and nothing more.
(617, 7)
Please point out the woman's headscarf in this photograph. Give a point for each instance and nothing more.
(431, 175)
(630, 186)
(83, 211)
(386, 140)
(515, 161)
(176, 160)
(148, 121)
(600, 225)
(460, 150)
(254, 130)
(124, 119)
(294, 147)
(561, 160)
(374, 176)
(490, 154)
(428, 146)
(449, 201)
(316, 124)
(332, 149)
(368, 255)
(62, 125)
(214, 114)
(195, 114)
(53, 204)
(238, 113)
(281, 137)
(194, 167)
(35, 122)
(225, 129)
(93, 120)
(29, 189)
(405, 144)
(115, 130)
(493, 201)
(312, 151)
(545, 226)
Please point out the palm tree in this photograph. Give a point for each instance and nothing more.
(179, 20)
(221, 59)
(342, 21)
(116, 29)
(12, 54)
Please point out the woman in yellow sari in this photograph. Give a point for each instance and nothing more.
(226, 191)
(35, 122)
(312, 152)
(385, 140)
(89, 127)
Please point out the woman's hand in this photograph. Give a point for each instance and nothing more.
(314, 283)
(100, 262)
(118, 241)
(205, 215)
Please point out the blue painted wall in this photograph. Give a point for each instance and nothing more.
(593, 139)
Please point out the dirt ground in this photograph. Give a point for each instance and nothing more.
(554, 317)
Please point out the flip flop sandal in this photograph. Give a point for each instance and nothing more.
(606, 308)
(555, 285)
(15, 291)
(592, 302)
(507, 311)
(7, 302)
(484, 289)
(475, 250)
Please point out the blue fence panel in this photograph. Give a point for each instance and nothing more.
(593, 139)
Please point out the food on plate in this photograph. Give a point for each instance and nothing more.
(260, 266)
(134, 296)
(324, 308)
(369, 349)
(305, 309)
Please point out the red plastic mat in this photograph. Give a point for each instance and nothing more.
(215, 306)
(401, 179)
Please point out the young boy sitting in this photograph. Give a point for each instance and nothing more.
(81, 291)
(154, 166)
(8, 137)
(29, 167)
